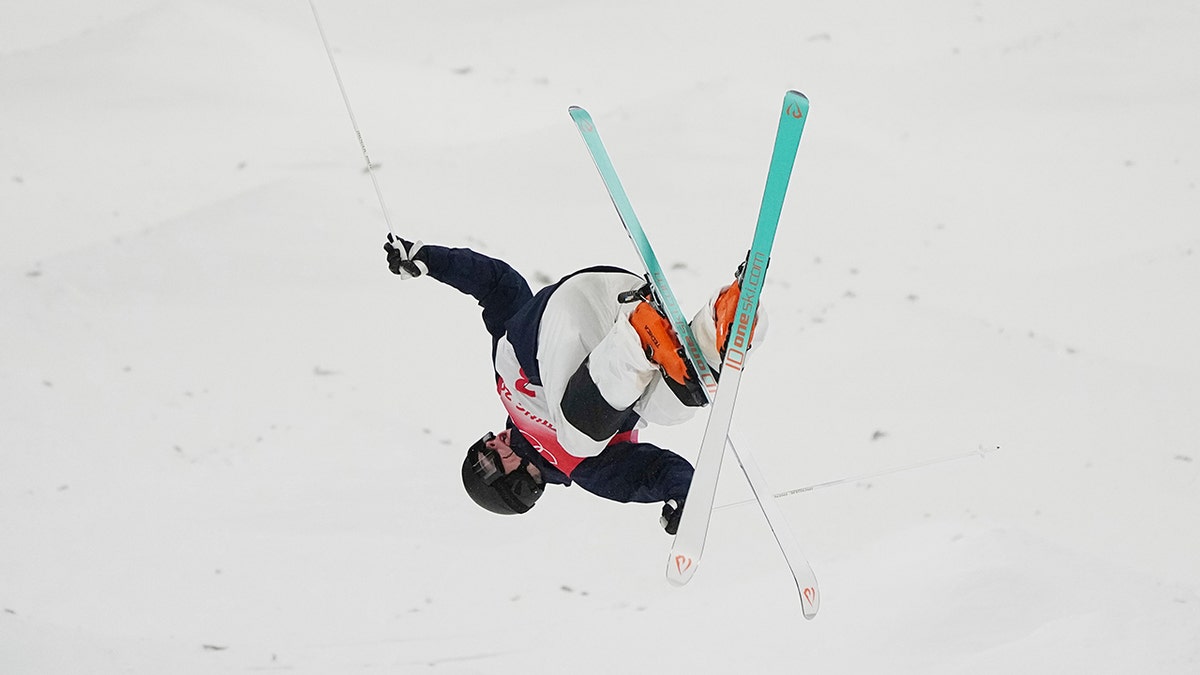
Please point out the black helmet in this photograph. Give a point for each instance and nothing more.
(487, 484)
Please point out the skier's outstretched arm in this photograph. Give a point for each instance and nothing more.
(499, 289)
(635, 472)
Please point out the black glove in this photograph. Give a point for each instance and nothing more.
(671, 513)
(401, 256)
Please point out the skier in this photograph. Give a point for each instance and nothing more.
(578, 368)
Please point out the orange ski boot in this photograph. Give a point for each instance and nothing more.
(725, 310)
(664, 349)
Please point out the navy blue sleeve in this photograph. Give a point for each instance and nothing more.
(635, 472)
(500, 289)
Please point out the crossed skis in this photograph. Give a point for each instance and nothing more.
(693, 528)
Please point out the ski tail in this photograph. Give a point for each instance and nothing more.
(802, 573)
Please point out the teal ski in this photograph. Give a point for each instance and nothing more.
(654, 272)
(693, 528)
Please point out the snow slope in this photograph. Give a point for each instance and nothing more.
(229, 438)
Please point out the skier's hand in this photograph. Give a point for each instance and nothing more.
(401, 256)
(671, 513)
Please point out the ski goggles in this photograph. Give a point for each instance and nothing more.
(487, 465)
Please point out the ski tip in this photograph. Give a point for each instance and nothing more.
(582, 120)
(795, 105)
(580, 116)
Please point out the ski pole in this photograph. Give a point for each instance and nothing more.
(354, 122)
(980, 452)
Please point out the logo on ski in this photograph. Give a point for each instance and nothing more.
(795, 111)
(810, 595)
(682, 563)
(739, 341)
